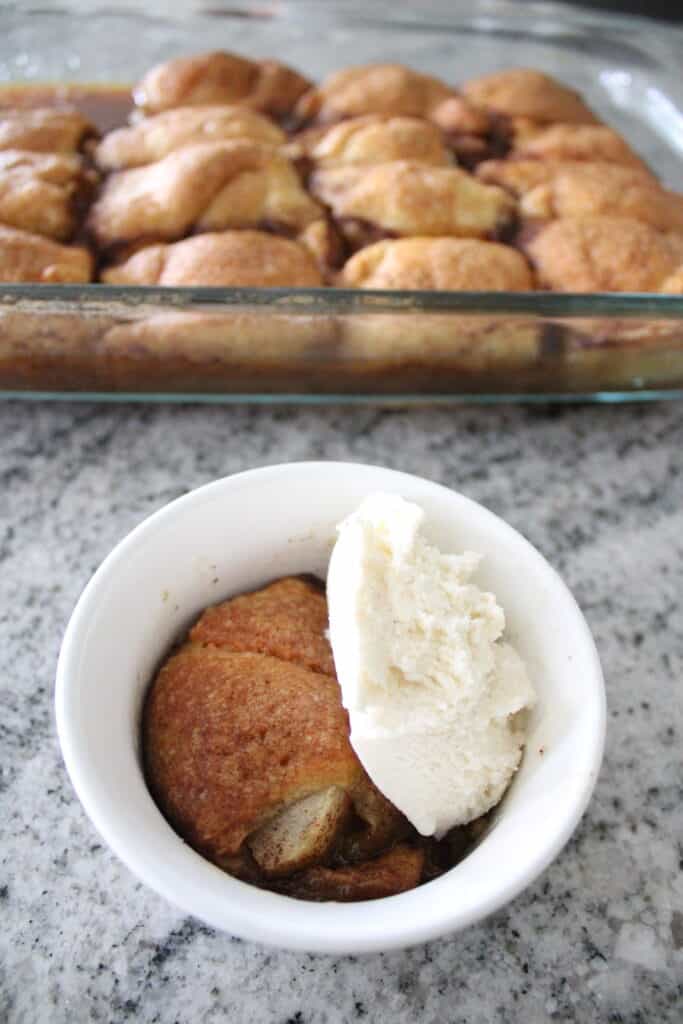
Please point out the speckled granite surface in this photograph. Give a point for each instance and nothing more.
(598, 938)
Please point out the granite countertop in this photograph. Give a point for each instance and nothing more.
(598, 938)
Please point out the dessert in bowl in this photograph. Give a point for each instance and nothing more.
(233, 537)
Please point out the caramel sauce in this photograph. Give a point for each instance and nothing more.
(105, 104)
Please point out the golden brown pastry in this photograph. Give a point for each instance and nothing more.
(372, 139)
(523, 92)
(220, 77)
(406, 198)
(586, 190)
(41, 350)
(456, 264)
(218, 352)
(285, 620)
(393, 90)
(205, 187)
(438, 350)
(520, 176)
(43, 192)
(238, 259)
(437, 354)
(604, 254)
(673, 284)
(153, 138)
(25, 257)
(570, 142)
(387, 89)
(44, 129)
(549, 189)
(231, 738)
(247, 752)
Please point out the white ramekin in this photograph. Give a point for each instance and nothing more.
(240, 532)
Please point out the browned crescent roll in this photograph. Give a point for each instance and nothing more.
(404, 198)
(247, 752)
(586, 142)
(390, 90)
(522, 174)
(44, 129)
(43, 192)
(400, 347)
(550, 189)
(232, 738)
(605, 254)
(237, 259)
(285, 620)
(153, 138)
(26, 257)
(239, 351)
(220, 77)
(524, 92)
(448, 264)
(204, 187)
(372, 139)
(600, 190)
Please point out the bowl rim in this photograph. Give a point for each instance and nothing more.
(441, 920)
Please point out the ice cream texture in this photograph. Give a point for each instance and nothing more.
(436, 698)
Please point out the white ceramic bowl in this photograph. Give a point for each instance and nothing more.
(240, 532)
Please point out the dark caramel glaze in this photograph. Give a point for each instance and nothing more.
(470, 150)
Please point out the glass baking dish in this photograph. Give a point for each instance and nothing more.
(225, 344)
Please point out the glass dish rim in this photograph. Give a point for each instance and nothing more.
(105, 299)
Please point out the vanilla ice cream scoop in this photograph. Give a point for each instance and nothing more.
(434, 694)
